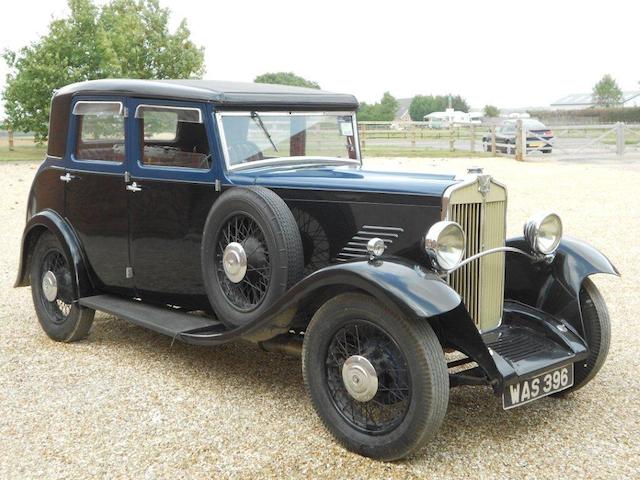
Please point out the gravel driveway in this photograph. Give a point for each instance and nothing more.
(125, 403)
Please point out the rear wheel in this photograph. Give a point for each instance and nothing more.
(378, 381)
(52, 286)
(595, 318)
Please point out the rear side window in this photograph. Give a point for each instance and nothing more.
(173, 137)
(100, 131)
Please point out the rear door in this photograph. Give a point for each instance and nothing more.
(95, 196)
(171, 191)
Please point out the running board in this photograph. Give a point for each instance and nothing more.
(163, 320)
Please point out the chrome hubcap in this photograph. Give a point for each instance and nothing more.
(360, 378)
(49, 286)
(234, 262)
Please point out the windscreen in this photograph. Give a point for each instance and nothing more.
(255, 136)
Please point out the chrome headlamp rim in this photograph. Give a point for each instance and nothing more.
(432, 245)
(532, 229)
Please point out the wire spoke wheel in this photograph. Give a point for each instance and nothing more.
(56, 271)
(247, 293)
(386, 393)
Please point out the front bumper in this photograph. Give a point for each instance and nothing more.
(530, 342)
(527, 343)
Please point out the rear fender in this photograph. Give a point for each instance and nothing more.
(554, 287)
(50, 221)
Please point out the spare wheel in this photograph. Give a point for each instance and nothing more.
(251, 253)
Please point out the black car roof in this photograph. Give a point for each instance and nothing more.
(222, 93)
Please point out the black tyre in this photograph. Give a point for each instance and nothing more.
(52, 286)
(352, 339)
(251, 226)
(595, 317)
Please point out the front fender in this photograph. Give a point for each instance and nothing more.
(554, 287)
(48, 220)
(402, 286)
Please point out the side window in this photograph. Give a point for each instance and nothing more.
(100, 131)
(172, 137)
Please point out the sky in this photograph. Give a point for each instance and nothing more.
(505, 53)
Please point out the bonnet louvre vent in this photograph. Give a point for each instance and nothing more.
(356, 248)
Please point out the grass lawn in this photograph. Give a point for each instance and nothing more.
(381, 151)
(22, 152)
(26, 152)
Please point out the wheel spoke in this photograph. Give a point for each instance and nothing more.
(252, 289)
(392, 398)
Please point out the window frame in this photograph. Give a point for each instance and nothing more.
(171, 173)
(218, 114)
(73, 137)
(167, 107)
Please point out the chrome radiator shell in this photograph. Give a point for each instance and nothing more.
(479, 205)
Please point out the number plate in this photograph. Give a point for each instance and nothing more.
(537, 387)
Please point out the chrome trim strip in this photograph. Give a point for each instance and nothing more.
(378, 234)
(467, 180)
(292, 161)
(78, 106)
(281, 113)
(166, 107)
(375, 227)
(532, 257)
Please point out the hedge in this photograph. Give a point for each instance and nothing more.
(589, 115)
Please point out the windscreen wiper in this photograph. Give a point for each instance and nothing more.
(258, 120)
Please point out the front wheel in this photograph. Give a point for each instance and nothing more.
(597, 325)
(378, 381)
(52, 285)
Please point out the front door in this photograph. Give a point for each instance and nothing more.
(95, 195)
(170, 194)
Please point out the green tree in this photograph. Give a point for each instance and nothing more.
(607, 93)
(491, 111)
(382, 111)
(285, 78)
(124, 38)
(422, 105)
(459, 104)
(388, 107)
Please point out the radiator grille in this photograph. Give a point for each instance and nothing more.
(481, 282)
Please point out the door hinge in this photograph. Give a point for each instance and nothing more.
(127, 177)
(128, 272)
(218, 186)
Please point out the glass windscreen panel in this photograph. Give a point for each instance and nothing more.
(256, 136)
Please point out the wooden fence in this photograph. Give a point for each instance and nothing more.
(571, 140)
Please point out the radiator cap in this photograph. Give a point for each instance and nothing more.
(475, 170)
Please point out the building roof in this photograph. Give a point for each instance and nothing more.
(220, 93)
(403, 107)
(586, 99)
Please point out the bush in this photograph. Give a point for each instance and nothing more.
(589, 116)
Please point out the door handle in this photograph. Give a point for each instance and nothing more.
(134, 187)
(67, 177)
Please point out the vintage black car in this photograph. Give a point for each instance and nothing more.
(217, 211)
(540, 138)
